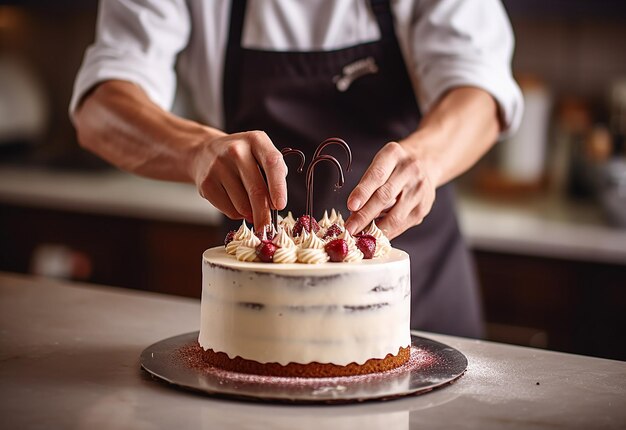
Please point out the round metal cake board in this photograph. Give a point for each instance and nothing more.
(432, 365)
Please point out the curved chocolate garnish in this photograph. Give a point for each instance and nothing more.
(335, 141)
(309, 179)
(287, 151)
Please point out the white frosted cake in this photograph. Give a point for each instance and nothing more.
(327, 318)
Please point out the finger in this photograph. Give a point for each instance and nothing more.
(237, 193)
(273, 164)
(376, 175)
(397, 219)
(380, 200)
(257, 191)
(420, 203)
(217, 196)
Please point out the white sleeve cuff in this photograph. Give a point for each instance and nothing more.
(499, 83)
(104, 64)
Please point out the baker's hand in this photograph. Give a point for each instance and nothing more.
(396, 187)
(226, 172)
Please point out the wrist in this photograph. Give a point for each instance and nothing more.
(198, 142)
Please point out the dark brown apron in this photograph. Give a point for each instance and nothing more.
(301, 98)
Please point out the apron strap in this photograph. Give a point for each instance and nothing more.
(233, 56)
(384, 17)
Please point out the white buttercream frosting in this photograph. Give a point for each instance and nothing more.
(301, 237)
(286, 255)
(287, 251)
(311, 250)
(339, 219)
(299, 313)
(325, 221)
(242, 234)
(354, 253)
(289, 220)
(333, 215)
(283, 240)
(246, 251)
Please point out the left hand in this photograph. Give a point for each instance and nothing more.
(396, 185)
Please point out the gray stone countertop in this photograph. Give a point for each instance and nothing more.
(69, 358)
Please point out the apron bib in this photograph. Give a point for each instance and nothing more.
(363, 95)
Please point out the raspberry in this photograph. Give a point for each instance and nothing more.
(337, 250)
(307, 223)
(265, 251)
(333, 230)
(366, 244)
(229, 237)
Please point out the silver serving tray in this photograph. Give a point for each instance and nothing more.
(432, 365)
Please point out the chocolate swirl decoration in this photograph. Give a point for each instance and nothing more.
(287, 151)
(335, 141)
(309, 179)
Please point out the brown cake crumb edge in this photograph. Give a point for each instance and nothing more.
(310, 370)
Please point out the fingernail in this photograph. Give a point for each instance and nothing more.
(281, 203)
(355, 204)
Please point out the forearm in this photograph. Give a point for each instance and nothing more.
(455, 133)
(118, 122)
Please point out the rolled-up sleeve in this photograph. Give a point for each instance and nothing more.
(466, 43)
(136, 41)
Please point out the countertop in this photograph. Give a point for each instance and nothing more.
(69, 357)
(543, 226)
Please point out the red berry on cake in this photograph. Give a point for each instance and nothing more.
(337, 249)
(307, 223)
(265, 251)
(229, 237)
(333, 230)
(366, 244)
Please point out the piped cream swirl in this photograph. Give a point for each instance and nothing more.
(311, 250)
(288, 220)
(287, 249)
(242, 234)
(324, 223)
(247, 249)
(339, 219)
(354, 253)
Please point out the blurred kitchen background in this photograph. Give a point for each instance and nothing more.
(544, 212)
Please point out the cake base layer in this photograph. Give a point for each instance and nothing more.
(310, 370)
(339, 313)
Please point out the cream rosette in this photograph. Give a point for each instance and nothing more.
(339, 219)
(354, 253)
(324, 223)
(304, 234)
(247, 249)
(289, 220)
(242, 234)
(311, 250)
(383, 246)
(333, 216)
(287, 249)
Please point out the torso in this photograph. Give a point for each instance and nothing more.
(295, 97)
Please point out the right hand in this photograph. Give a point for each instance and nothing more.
(226, 170)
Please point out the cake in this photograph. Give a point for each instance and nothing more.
(325, 304)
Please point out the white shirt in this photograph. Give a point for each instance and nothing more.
(445, 43)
